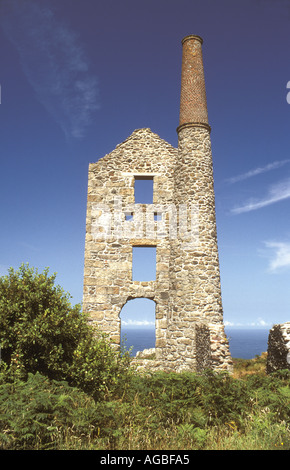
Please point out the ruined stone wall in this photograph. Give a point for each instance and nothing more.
(278, 356)
(189, 319)
(187, 292)
(108, 283)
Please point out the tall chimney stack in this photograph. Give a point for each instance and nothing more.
(196, 309)
(193, 107)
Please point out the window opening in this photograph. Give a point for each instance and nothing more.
(138, 325)
(157, 216)
(144, 263)
(129, 216)
(143, 189)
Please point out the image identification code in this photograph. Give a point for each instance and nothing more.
(155, 459)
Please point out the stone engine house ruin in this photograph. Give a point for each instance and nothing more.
(179, 222)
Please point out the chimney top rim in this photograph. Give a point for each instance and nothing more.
(192, 37)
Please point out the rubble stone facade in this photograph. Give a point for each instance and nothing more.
(180, 223)
(278, 356)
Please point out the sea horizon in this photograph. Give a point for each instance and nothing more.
(245, 342)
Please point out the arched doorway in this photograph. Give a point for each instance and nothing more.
(138, 325)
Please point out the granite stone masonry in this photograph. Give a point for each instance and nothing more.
(278, 356)
(180, 223)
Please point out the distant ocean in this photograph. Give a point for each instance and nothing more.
(244, 343)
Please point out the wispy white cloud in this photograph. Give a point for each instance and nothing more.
(278, 192)
(53, 62)
(279, 255)
(228, 323)
(258, 171)
(256, 324)
(260, 322)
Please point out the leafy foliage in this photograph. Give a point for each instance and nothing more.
(62, 386)
(37, 413)
(42, 332)
(161, 411)
(39, 328)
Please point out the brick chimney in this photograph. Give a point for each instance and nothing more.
(193, 107)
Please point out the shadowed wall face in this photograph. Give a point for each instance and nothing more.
(278, 348)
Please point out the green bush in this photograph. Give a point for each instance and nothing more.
(197, 411)
(63, 386)
(158, 411)
(42, 332)
(40, 414)
(39, 328)
(201, 399)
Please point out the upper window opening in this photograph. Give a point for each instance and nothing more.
(143, 189)
(144, 263)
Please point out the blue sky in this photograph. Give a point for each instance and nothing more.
(78, 77)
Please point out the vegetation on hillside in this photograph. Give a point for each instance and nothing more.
(41, 332)
(63, 387)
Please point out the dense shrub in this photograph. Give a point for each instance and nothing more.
(62, 386)
(41, 332)
(181, 397)
(39, 328)
(39, 414)
(158, 411)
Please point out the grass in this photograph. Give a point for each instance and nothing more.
(244, 367)
(247, 411)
